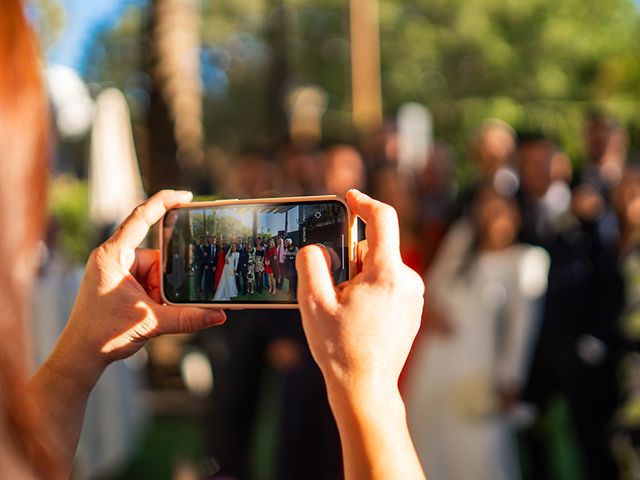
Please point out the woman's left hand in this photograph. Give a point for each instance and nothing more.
(119, 306)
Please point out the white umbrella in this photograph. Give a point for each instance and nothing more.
(115, 185)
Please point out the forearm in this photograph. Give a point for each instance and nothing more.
(60, 388)
(374, 435)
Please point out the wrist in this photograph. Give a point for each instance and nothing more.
(373, 397)
(73, 362)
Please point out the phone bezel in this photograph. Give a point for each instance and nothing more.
(352, 241)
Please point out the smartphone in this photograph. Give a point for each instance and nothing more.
(241, 254)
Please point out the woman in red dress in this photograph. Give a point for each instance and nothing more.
(221, 253)
(268, 262)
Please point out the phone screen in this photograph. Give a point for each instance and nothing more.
(246, 253)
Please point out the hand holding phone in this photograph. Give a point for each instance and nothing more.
(360, 334)
(259, 240)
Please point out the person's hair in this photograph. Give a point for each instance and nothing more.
(533, 137)
(24, 172)
(481, 197)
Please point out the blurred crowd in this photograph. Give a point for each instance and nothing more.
(532, 271)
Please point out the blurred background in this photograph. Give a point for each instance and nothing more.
(506, 135)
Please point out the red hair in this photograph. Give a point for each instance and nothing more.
(23, 173)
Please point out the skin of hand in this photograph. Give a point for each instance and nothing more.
(117, 309)
(360, 334)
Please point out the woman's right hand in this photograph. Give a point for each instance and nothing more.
(360, 334)
(362, 331)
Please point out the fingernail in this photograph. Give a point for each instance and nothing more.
(185, 193)
(359, 194)
(213, 318)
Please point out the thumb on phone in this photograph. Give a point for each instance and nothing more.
(315, 284)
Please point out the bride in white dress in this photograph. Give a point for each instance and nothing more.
(227, 288)
(460, 388)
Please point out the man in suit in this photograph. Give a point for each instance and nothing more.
(290, 267)
(243, 266)
(199, 263)
(574, 355)
(211, 252)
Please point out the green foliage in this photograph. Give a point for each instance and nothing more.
(69, 207)
(218, 225)
(537, 64)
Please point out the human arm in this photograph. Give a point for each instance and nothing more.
(118, 308)
(360, 334)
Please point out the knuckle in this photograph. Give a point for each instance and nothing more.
(416, 283)
(99, 254)
(139, 211)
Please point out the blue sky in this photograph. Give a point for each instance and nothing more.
(85, 21)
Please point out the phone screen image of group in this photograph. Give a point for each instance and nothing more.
(246, 253)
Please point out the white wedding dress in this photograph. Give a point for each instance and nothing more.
(227, 288)
(493, 307)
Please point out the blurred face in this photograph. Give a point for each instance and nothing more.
(392, 189)
(201, 240)
(303, 168)
(272, 243)
(627, 200)
(561, 168)
(534, 160)
(498, 222)
(438, 172)
(597, 136)
(345, 170)
(255, 176)
(493, 149)
(279, 241)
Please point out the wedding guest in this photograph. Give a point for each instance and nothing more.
(280, 262)
(344, 169)
(436, 193)
(574, 354)
(222, 251)
(260, 253)
(243, 259)
(492, 148)
(626, 201)
(290, 261)
(606, 145)
(251, 270)
(393, 189)
(270, 260)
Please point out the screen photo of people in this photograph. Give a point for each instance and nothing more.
(247, 253)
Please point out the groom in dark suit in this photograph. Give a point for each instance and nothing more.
(211, 250)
